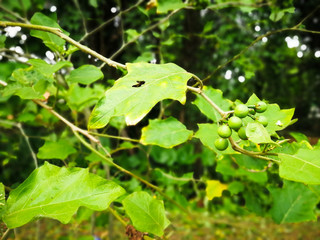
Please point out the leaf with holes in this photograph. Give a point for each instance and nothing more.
(135, 94)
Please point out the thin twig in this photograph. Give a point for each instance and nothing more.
(13, 14)
(116, 215)
(295, 28)
(84, 22)
(110, 20)
(143, 32)
(60, 34)
(115, 137)
(69, 124)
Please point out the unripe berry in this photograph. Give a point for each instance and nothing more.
(261, 107)
(224, 131)
(235, 123)
(221, 144)
(263, 120)
(241, 111)
(242, 133)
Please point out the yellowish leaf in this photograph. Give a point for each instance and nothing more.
(214, 189)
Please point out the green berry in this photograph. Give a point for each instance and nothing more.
(263, 120)
(252, 111)
(241, 111)
(261, 107)
(235, 123)
(242, 133)
(221, 143)
(224, 131)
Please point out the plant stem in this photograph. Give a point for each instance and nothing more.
(115, 137)
(63, 36)
(116, 215)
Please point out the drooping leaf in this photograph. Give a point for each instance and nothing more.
(277, 13)
(207, 134)
(295, 202)
(136, 93)
(257, 133)
(60, 150)
(277, 119)
(165, 133)
(46, 68)
(216, 96)
(86, 74)
(146, 213)
(57, 193)
(166, 5)
(215, 188)
(304, 166)
(2, 200)
(299, 137)
(27, 83)
(52, 41)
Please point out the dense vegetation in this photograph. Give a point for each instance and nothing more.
(158, 115)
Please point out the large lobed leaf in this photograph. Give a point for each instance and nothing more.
(295, 202)
(57, 193)
(146, 213)
(165, 133)
(133, 99)
(304, 166)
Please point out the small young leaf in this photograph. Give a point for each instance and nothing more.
(135, 94)
(295, 202)
(257, 133)
(57, 193)
(165, 133)
(86, 74)
(146, 213)
(215, 188)
(166, 5)
(48, 69)
(60, 150)
(304, 166)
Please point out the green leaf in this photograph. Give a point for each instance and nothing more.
(79, 98)
(52, 41)
(2, 41)
(86, 74)
(304, 166)
(295, 202)
(165, 133)
(161, 81)
(48, 69)
(166, 5)
(214, 189)
(207, 134)
(60, 150)
(146, 213)
(257, 133)
(299, 137)
(216, 96)
(57, 193)
(235, 187)
(277, 119)
(2, 200)
(277, 13)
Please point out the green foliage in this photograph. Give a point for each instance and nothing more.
(57, 193)
(294, 202)
(200, 142)
(146, 213)
(165, 133)
(60, 150)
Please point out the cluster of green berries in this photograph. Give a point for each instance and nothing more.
(235, 123)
